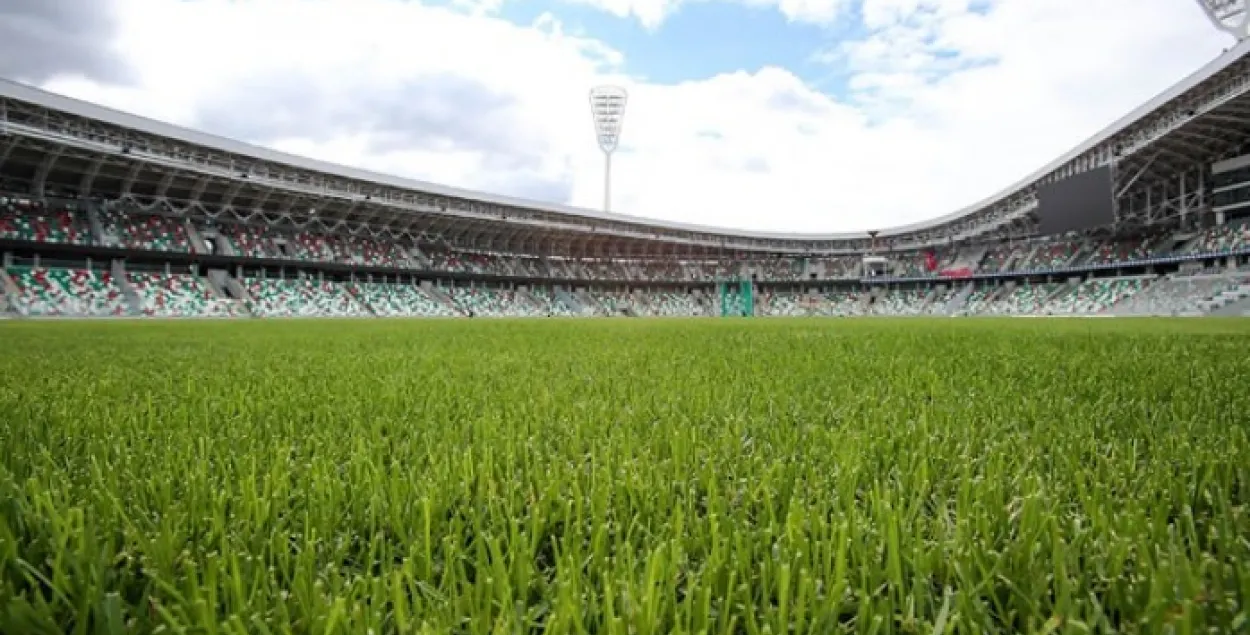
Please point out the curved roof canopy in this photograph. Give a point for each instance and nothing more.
(79, 108)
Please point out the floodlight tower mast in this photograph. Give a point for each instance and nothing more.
(1229, 16)
(607, 108)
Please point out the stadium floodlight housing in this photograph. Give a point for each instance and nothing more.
(607, 108)
(1230, 16)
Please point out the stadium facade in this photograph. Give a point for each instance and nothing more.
(103, 213)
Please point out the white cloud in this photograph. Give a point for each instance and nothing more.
(652, 13)
(949, 104)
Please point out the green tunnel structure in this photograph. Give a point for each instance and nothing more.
(737, 298)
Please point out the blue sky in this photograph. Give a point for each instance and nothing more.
(702, 39)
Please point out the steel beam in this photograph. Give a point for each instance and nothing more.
(10, 144)
(87, 182)
(1228, 16)
(45, 168)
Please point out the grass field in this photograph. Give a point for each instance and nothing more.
(625, 476)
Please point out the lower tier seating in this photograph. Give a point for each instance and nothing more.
(901, 302)
(180, 295)
(1093, 296)
(484, 302)
(1176, 295)
(780, 305)
(1023, 299)
(67, 293)
(549, 303)
(841, 304)
(41, 292)
(669, 304)
(400, 300)
(302, 298)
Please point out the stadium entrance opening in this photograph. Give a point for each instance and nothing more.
(875, 266)
(737, 298)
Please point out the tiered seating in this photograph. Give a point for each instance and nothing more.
(963, 262)
(613, 302)
(1222, 238)
(67, 292)
(939, 300)
(603, 270)
(1024, 299)
(841, 304)
(348, 250)
(709, 271)
(367, 251)
(901, 302)
(1093, 296)
(667, 304)
(837, 268)
(251, 242)
(1107, 252)
(783, 304)
(311, 247)
(302, 298)
(660, 271)
(548, 303)
(1001, 258)
(1176, 295)
(912, 265)
(534, 268)
(145, 232)
(457, 262)
(24, 219)
(399, 300)
(778, 269)
(979, 300)
(484, 302)
(486, 264)
(179, 295)
(1049, 256)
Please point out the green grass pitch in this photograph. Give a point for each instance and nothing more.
(625, 476)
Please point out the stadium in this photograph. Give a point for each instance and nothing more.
(179, 452)
(107, 214)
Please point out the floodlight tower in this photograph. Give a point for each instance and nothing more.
(607, 108)
(1229, 16)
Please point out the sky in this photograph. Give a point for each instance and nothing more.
(777, 115)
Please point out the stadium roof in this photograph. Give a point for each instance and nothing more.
(21, 92)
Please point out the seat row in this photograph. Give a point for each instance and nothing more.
(112, 225)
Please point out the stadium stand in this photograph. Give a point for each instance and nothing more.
(251, 242)
(1049, 255)
(61, 292)
(1092, 297)
(179, 295)
(1222, 239)
(34, 221)
(309, 240)
(1020, 299)
(1179, 295)
(399, 300)
(143, 232)
(84, 292)
(302, 298)
(901, 302)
